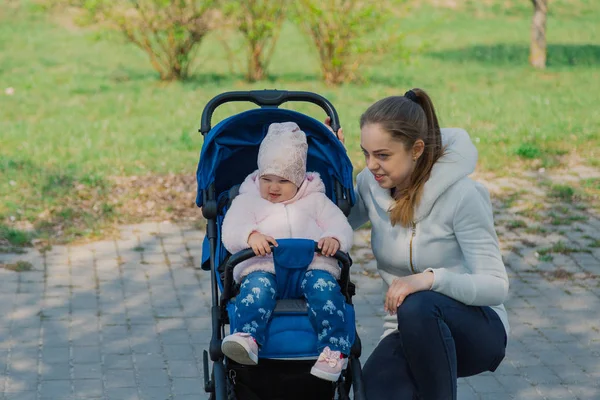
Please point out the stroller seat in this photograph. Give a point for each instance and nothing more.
(289, 333)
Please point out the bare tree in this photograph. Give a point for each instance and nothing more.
(537, 55)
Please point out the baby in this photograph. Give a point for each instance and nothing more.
(282, 200)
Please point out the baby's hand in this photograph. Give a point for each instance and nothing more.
(329, 246)
(260, 243)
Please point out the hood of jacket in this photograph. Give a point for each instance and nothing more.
(459, 160)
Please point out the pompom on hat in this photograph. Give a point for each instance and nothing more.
(283, 153)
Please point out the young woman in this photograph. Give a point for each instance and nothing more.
(436, 249)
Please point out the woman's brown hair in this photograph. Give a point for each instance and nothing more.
(409, 118)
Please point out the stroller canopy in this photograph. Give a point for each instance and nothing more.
(230, 151)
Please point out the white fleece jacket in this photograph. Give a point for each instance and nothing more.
(454, 233)
(309, 215)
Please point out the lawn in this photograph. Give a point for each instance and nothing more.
(87, 107)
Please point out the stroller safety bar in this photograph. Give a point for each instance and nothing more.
(246, 254)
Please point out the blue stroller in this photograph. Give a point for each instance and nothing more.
(229, 154)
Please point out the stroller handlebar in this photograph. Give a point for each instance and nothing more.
(267, 98)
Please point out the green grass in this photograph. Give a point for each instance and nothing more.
(535, 230)
(509, 198)
(514, 224)
(556, 219)
(560, 248)
(532, 213)
(87, 105)
(562, 192)
(14, 237)
(593, 241)
(591, 183)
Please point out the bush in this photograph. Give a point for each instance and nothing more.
(259, 21)
(168, 31)
(345, 33)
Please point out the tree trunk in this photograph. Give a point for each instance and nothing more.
(537, 55)
(256, 69)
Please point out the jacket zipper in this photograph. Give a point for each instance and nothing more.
(412, 236)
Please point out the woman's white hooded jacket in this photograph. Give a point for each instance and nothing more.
(452, 235)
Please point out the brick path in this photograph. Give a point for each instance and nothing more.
(127, 319)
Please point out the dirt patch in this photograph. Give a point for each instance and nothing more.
(522, 202)
(167, 197)
(19, 266)
(90, 211)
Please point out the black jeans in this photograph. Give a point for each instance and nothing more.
(438, 340)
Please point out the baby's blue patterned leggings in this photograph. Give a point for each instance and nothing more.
(326, 307)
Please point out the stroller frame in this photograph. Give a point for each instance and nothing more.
(220, 382)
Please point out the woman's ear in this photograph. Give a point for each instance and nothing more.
(418, 149)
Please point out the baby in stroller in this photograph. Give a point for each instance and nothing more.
(282, 200)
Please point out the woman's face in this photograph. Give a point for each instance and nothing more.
(388, 160)
(276, 189)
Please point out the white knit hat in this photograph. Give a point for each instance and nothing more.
(283, 153)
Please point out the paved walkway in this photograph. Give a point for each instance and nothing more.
(127, 319)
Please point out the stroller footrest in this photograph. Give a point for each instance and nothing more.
(291, 306)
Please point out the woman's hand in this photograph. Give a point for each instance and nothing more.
(328, 246)
(402, 287)
(261, 243)
(339, 134)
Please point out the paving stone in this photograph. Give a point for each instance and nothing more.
(178, 352)
(486, 384)
(87, 371)
(120, 378)
(175, 337)
(56, 389)
(184, 369)
(21, 396)
(539, 374)
(585, 391)
(156, 393)
(570, 373)
(149, 361)
(187, 386)
(556, 391)
(86, 355)
(124, 394)
(147, 322)
(56, 355)
(146, 347)
(116, 346)
(118, 361)
(465, 391)
(20, 381)
(154, 378)
(49, 372)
